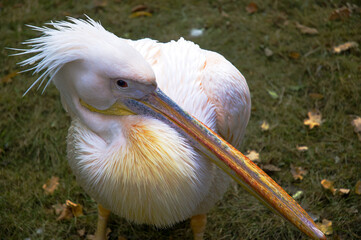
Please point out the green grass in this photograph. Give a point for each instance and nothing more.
(33, 128)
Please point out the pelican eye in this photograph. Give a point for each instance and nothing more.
(122, 84)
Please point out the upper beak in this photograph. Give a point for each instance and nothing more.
(239, 167)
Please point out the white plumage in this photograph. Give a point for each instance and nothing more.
(155, 178)
(131, 147)
(136, 166)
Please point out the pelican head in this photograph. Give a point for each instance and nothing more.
(100, 78)
(93, 70)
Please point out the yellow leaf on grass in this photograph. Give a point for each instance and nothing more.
(76, 209)
(298, 172)
(68, 210)
(306, 30)
(51, 185)
(265, 125)
(294, 55)
(358, 188)
(325, 226)
(344, 47)
(253, 156)
(140, 14)
(8, 78)
(252, 8)
(328, 185)
(302, 148)
(314, 118)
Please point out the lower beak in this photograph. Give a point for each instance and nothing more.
(225, 156)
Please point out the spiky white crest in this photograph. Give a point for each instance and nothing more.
(65, 42)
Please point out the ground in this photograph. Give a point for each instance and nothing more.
(301, 74)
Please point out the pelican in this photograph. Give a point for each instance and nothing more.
(148, 122)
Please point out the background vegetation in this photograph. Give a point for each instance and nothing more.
(33, 128)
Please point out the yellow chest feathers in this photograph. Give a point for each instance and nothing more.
(149, 175)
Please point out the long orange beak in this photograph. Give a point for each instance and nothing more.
(239, 167)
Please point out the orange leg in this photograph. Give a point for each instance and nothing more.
(103, 215)
(198, 225)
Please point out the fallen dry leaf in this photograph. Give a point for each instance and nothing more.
(328, 185)
(8, 78)
(252, 8)
(342, 191)
(294, 55)
(139, 8)
(51, 185)
(302, 148)
(253, 156)
(306, 30)
(65, 212)
(76, 209)
(316, 96)
(314, 118)
(140, 14)
(68, 210)
(358, 188)
(224, 14)
(81, 232)
(340, 14)
(121, 238)
(58, 208)
(268, 52)
(265, 125)
(357, 126)
(325, 226)
(298, 172)
(270, 168)
(344, 47)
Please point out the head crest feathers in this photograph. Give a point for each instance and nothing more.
(61, 43)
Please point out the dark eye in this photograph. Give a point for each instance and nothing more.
(122, 83)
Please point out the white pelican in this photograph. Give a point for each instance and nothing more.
(131, 145)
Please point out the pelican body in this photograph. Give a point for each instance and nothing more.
(148, 122)
(150, 173)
